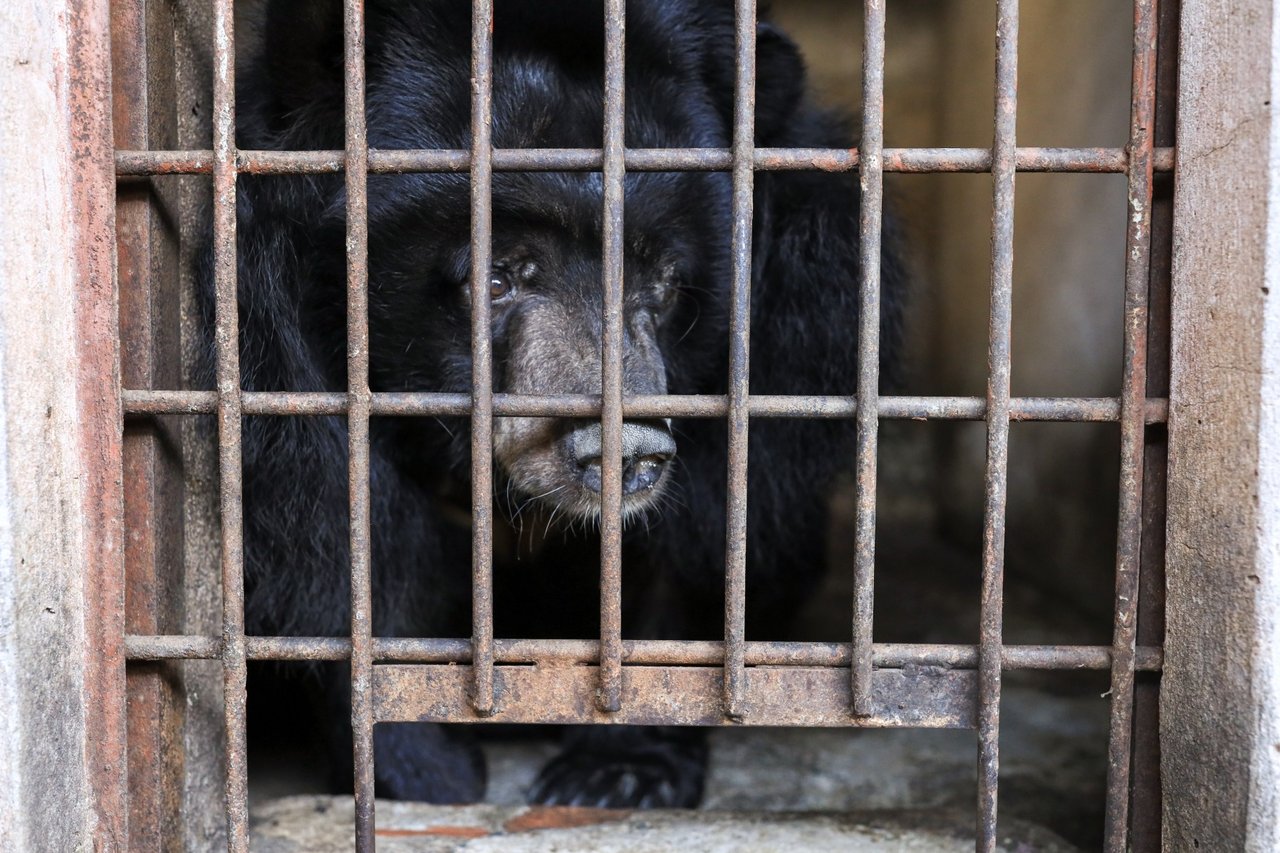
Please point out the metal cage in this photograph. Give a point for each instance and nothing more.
(734, 682)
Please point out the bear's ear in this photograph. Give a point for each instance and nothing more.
(780, 79)
(300, 54)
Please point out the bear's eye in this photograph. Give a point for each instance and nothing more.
(500, 286)
(665, 292)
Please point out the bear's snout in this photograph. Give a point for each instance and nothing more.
(647, 450)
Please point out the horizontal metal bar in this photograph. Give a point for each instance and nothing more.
(634, 652)
(909, 160)
(1062, 409)
(920, 697)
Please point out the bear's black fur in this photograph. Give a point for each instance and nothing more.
(548, 60)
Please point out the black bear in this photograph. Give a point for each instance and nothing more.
(546, 292)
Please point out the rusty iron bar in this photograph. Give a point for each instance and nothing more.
(147, 251)
(85, 73)
(871, 202)
(481, 408)
(919, 697)
(1059, 409)
(738, 414)
(609, 694)
(1132, 425)
(382, 162)
(1146, 818)
(1003, 165)
(358, 396)
(229, 415)
(141, 647)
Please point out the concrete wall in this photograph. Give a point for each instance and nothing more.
(1074, 68)
(61, 664)
(1220, 718)
(1264, 800)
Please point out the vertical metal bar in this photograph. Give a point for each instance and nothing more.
(610, 691)
(871, 186)
(1146, 819)
(481, 356)
(144, 116)
(1003, 157)
(356, 164)
(229, 411)
(204, 818)
(735, 582)
(78, 213)
(1133, 392)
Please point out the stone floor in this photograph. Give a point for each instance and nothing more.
(323, 825)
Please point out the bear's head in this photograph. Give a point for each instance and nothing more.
(546, 281)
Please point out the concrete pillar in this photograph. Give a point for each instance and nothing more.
(61, 596)
(1220, 697)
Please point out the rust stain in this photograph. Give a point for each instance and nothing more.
(563, 817)
(87, 125)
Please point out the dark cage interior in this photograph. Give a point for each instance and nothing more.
(497, 378)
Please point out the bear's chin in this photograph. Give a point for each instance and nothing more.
(543, 478)
(572, 505)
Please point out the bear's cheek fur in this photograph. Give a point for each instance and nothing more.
(530, 453)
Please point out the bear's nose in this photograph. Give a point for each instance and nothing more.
(647, 447)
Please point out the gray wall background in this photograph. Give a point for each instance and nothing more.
(1074, 69)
